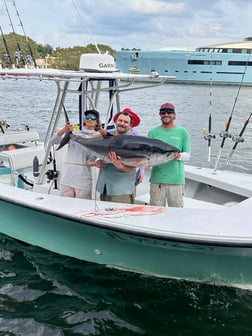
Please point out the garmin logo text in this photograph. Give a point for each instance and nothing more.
(106, 65)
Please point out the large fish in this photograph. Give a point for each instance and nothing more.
(132, 150)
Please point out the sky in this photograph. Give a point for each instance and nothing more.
(144, 24)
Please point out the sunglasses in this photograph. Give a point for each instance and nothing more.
(89, 117)
(164, 111)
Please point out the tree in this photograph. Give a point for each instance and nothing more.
(45, 50)
(63, 58)
(19, 48)
(69, 58)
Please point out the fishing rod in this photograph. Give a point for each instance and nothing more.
(209, 136)
(224, 135)
(1, 129)
(6, 48)
(52, 174)
(65, 113)
(210, 124)
(237, 139)
(18, 54)
(27, 41)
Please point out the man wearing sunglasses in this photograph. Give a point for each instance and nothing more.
(168, 179)
(76, 178)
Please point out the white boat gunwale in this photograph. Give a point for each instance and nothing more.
(151, 230)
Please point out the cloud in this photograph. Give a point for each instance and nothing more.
(146, 24)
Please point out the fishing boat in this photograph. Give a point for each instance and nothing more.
(225, 63)
(209, 240)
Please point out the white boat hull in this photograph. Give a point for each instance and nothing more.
(143, 239)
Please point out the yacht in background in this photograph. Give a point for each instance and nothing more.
(226, 63)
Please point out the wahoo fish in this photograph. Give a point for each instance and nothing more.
(133, 151)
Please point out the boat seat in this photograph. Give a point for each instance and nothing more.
(19, 137)
(22, 157)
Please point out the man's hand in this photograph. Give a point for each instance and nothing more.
(103, 132)
(66, 129)
(177, 157)
(116, 161)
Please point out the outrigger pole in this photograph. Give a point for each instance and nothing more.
(18, 54)
(238, 139)
(28, 43)
(6, 48)
(86, 26)
(226, 134)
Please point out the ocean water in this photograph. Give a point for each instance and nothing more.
(42, 293)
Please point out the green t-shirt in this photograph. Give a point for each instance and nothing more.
(171, 172)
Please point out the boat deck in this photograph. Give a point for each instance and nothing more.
(223, 179)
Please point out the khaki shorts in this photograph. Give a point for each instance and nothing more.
(118, 198)
(67, 191)
(162, 194)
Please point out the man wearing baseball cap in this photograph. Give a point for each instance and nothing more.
(168, 179)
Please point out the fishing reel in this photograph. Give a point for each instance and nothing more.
(209, 135)
(237, 139)
(3, 125)
(52, 175)
(225, 135)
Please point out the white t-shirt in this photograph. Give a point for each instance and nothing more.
(75, 172)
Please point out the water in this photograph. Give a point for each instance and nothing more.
(46, 294)
(42, 293)
(193, 104)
